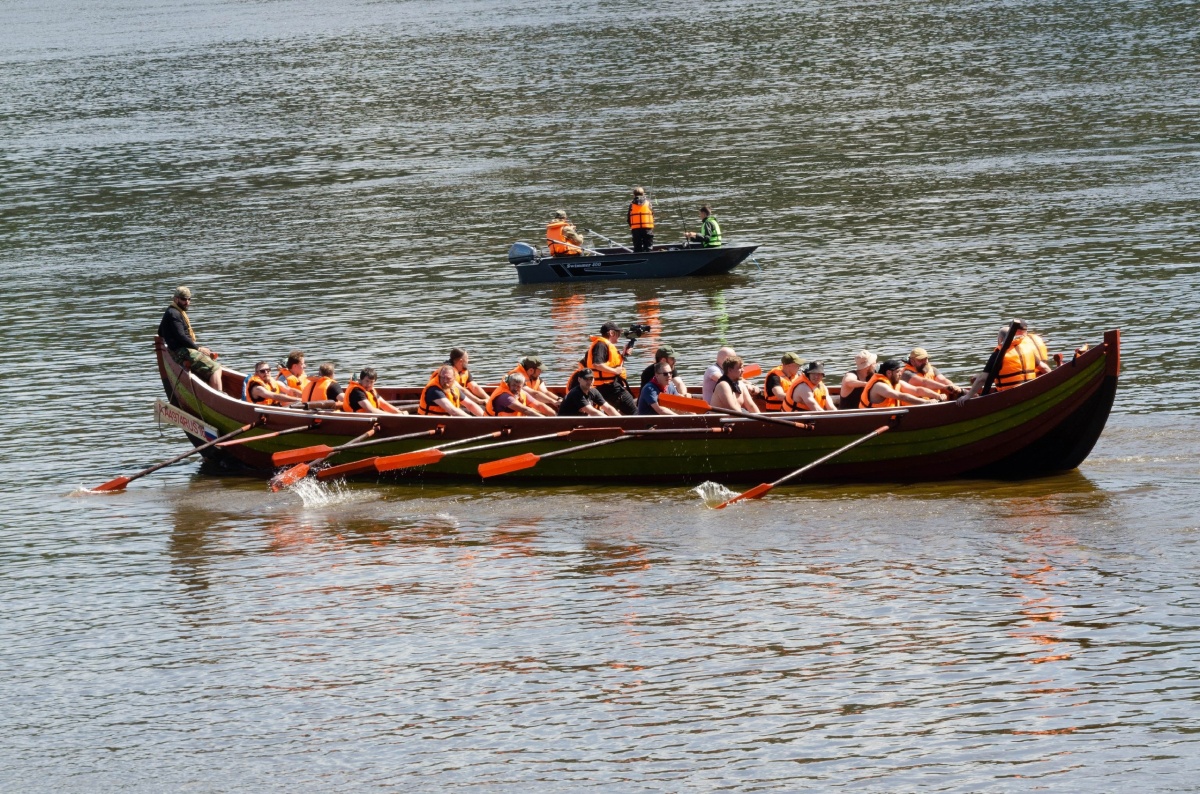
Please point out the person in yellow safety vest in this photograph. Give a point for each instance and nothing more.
(322, 392)
(361, 397)
(291, 374)
(557, 231)
(442, 396)
(541, 399)
(608, 364)
(778, 385)
(262, 389)
(508, 399)
(920, 373)
(885, 390)
(709, 235)
(641, 220)
(809, 392)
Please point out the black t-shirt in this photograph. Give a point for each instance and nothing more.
(173, 330)
(648, 373)
(333, 391)
(359, 398)
(573, 403)
(773, 380)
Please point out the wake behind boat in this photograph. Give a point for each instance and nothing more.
(595, 264)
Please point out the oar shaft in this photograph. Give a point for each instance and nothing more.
(347, 445)
(994, 372)
(357, 444)
(265, 436)
(192, 451)
(511, 442)
(581, 447)
(834, 454)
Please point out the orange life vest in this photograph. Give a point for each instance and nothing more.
(554, 234)
(1019, 365)
(1040, 344)
(776, 403)
(614, 360)
(270, 384)
(503, 389)
(641, 216)
(462, 378)
(372, 397)
(427, 407)
(536, 385)
(865, 400)
(316, 389)
(820, 394)
(295, 381)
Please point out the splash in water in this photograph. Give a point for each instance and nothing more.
(713, 493)
(315, 493)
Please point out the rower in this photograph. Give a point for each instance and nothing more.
(362, 398)
(663, 383)
(714, 373)
(1034, 343)
(541, 399)
(732, 391)
(291, 374)
(665, 353)
(778, 387)
(920, 373)
(472, 391)
(583, 399)
(322, 392)
(261, 389)
(809, 392)
(1020, 364)
(884, 389)
(641, 221)
(443, 395)
(854, 381)
(508, 399)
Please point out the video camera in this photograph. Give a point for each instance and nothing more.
(635, 331)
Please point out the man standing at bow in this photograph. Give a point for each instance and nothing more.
(176, 331)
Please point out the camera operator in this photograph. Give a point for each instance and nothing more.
(608, 363)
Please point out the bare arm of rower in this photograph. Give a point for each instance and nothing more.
(803, 396)
(918, 391)
(902, 396)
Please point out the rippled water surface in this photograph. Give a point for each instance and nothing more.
(345, 179)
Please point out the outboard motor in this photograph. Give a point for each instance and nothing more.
(522, 254)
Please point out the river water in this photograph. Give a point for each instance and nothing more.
(345, 178)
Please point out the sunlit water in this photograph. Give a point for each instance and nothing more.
(346, 179)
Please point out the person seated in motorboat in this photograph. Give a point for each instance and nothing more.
(662, 383)
(885, 390)
(443, 396)
(778, 385)
(709, 235)
(361, 397)
(583, 399)
(732, 391)
(508, 399)
(641, 221)
(262, 389)
(856, 379)
(809, 392)
(541, 399)
(920, 373)
(322, 392)
(557, 231)
(291, 374)
(175, 329)
(665, 353)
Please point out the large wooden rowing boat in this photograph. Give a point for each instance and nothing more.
(1044, 426)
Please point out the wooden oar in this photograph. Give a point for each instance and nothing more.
(994, 372)
(354, 467)
(119, 483)
(306, 454)
(299, 471)
(758, 491)
(528, 460)
(265, 436)
(692, 405)
(427, 457)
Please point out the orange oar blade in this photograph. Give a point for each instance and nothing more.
(289, 477)
(115, 484)
(678, 402)
(754, 493)
(408, 460)
(752, 370)
(507, 465)
(303, 455)
(333, 472)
